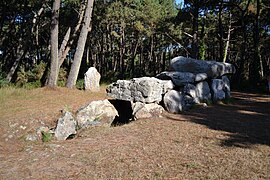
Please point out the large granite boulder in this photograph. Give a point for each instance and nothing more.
(91, 79)
(66, 126)
(145, 89)
(226, 87)
(213, 69)
(178, 78)
(191, 91)
(217, 88)
(174, 101)
(203, 91)
(141, 110)
(96, 113)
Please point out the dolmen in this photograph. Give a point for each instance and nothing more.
(189, 82)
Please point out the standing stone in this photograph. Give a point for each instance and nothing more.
(96, 113)
(191, 91)
(217, 88)
(203, 91)
(174, 101)
(227, 87)
(213, 69)
(141, 110)
(91, 79)
(66, 126)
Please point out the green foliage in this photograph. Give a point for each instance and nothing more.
(80, 84)
(3, 81)
(32, 85)
(46, 136)
(62, 77)
(31, 78)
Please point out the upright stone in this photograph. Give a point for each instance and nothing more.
(174, 101)
(226, 87)
(191, 91)
(203, 91)
(92, 79)
(66, 126)
(217, 88)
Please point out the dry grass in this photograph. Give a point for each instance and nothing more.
(218, 142)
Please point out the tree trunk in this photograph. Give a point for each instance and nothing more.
(14, 66)
(228, 39)
(255, 62)
(61, 53)
(194, 46)
(75, 67)
(74, 35)
(54, 68)
(134, 52)
(220, 28)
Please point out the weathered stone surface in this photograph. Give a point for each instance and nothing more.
(141, 110)
(66, 126)
(203, 91)
(200, 77)
(217, 88)
(174, 101)
(178, 78)
(96, 113)
(145, 89)
(191, 91)
(91, 79)
(226, 87)
(121, 90)
(213, 69)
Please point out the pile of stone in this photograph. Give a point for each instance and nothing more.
(190, 82)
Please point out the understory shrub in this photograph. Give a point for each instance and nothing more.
(31, 78)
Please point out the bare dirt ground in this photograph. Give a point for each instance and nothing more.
(225, 141)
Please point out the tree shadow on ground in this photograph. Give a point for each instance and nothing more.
(247, 120)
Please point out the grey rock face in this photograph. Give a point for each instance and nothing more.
(141, 110)
(91, 79)
(145, 89)
(121, 90)
(174, 101)
(200, 77)
(213, 69)
(226, 87)
(203, 91)
(66, 126)
(178, 78)
(191, 91)
(96, 113)
(217, 88)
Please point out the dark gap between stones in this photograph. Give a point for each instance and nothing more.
(124, 109)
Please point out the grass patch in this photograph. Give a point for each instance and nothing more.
(11, 91)
(46, 136)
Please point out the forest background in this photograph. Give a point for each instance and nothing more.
(53, 43)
